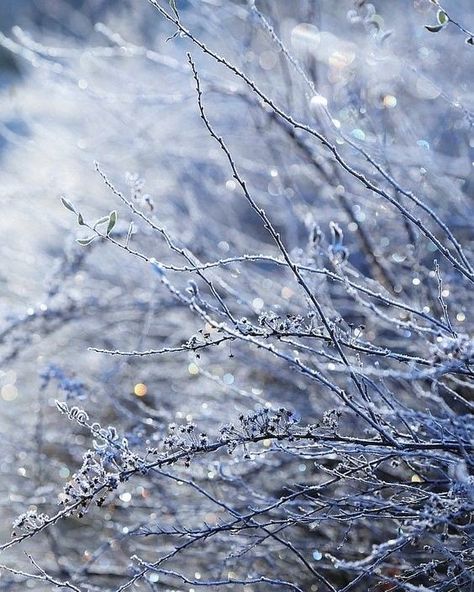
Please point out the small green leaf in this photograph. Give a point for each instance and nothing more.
(101, 221)
(68, 205)
(443, 18)
(85, 241)
(434, 28)
(80, 219)
(112, 221)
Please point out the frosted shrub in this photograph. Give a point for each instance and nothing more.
(254, 350)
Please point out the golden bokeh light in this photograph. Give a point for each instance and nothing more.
(140, 389)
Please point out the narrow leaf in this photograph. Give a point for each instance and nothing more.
(85, 241)
(62, 406)
(101, 221)
(173, 6)
(434, 28)
(112, 222)
(68, 205)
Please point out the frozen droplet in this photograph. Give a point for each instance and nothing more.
(318, 102)
(358, 134)
(228, 378)
(389, 101)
